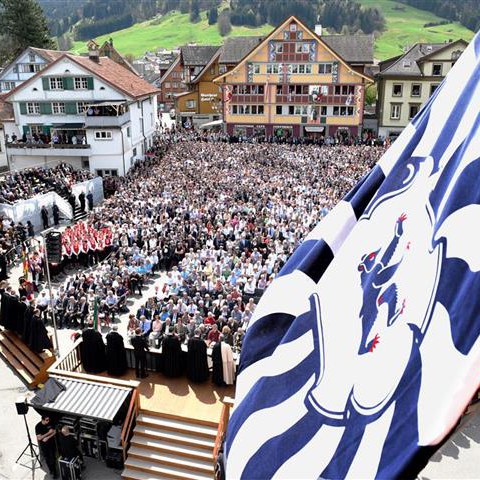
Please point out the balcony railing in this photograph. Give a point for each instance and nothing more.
(107, 120)
(56, 146)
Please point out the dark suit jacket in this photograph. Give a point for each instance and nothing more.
(140, 346)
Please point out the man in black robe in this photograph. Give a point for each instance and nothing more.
(172, 355)
(38, 339)
(116, 354)
(81, 199)
(217, 371)
(8, 318)
(197, 365)
(140, 346)
(92, 350)
(21, 310)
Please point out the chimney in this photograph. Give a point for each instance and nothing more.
(94, 55)
(318, 30)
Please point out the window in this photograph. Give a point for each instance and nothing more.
(58, 108)
(301, 47)
(6, 86)
(167, 84)
(212, 70)
(413, 111)
(396, 110)
(80, 83)
(323, 110)
(103, 135)
(278, 110)
(279, 48)
(301, 109)
(343, 111)
(433, 87)
(81, 107)
(128, 132)
(324, 68)
(437, 69)
(174, 85)
(56, 83)
(31, 57)
(191, 103)
(272, 68)
(104, 172)
(33, 108)
(256, 68)
(222, 69)
(397, 89)
(416, 90)
(302, 68)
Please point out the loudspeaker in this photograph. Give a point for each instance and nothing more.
(53, 242)
(21, 406)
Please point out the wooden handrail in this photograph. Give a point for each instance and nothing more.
(71, 360)
(127, 425)
(222, 426)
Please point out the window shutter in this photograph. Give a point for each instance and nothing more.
(23, 108)
(45, 108)
(68, 83)
(90, 83)
(71, 108)
(46, 83)
(26, 129)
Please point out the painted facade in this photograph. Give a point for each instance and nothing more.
(293, 84)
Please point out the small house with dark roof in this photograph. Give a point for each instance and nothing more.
(407, 81)
(88, 111)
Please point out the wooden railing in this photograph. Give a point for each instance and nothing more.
(70, 362)
(222, 426)
(129, 423)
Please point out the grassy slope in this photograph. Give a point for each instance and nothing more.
(405, 27)
(173, 30)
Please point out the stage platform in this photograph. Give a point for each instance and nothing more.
(178, 396)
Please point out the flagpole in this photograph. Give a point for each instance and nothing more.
(57, 345)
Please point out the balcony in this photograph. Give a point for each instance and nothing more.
(52, 150)
(99, 121)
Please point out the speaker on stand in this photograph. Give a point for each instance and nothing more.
(31, 450)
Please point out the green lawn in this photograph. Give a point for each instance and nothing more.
(173, 30)
(406, 27)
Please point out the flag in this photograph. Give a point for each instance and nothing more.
(25, 262)
(365, 350)
(96, 323)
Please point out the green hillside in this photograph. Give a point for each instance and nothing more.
(405, 26)
(169, 31)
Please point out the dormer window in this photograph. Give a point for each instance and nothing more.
(31, 58)
(437, 70)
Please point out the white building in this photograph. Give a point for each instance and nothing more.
(88, 111)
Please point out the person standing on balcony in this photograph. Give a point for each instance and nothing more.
(81, 199)
(56, 214)
(44, 214)
(90, 201)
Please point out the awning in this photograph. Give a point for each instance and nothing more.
(314, 128)
(215, 123)
(113, 103)
(68, 126)
(87, 399)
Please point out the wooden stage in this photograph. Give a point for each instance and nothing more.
(178, 396)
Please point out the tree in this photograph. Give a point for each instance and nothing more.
(224, 25)
(65, 42)
(212, 16)
(184, 6)
(194, 11)
(23, 22)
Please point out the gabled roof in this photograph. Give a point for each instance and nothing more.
(408, 64)
(235, 48)
(352, 48)
(170, 68)
(48, 55)
(120, 78)
(197, 55)
(108, 45)
(207, 66)
(272, 34)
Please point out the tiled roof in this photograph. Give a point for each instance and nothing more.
(197, 55)
(119, 77)
(6, 111)
(235, 48)
(408, 63)
(352, 48)
(50, 55)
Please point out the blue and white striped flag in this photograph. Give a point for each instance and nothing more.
(365, 350)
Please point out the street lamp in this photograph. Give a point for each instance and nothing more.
(52, 309)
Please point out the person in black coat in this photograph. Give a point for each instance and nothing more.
(72, 201)
(197, 365)
(140, 347)
(217, 371)
(38, 339)
(56, 214)
(30, 229)
(116, 354)
(172, 355)
(90, 200)
(92, 350)
(81, 199)
(44, 214)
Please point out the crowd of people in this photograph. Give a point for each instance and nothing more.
(20, 185)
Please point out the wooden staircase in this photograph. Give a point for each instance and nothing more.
(31, 367)
(165, 446)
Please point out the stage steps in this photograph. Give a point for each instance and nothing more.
(31, 367)
(167, 446)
